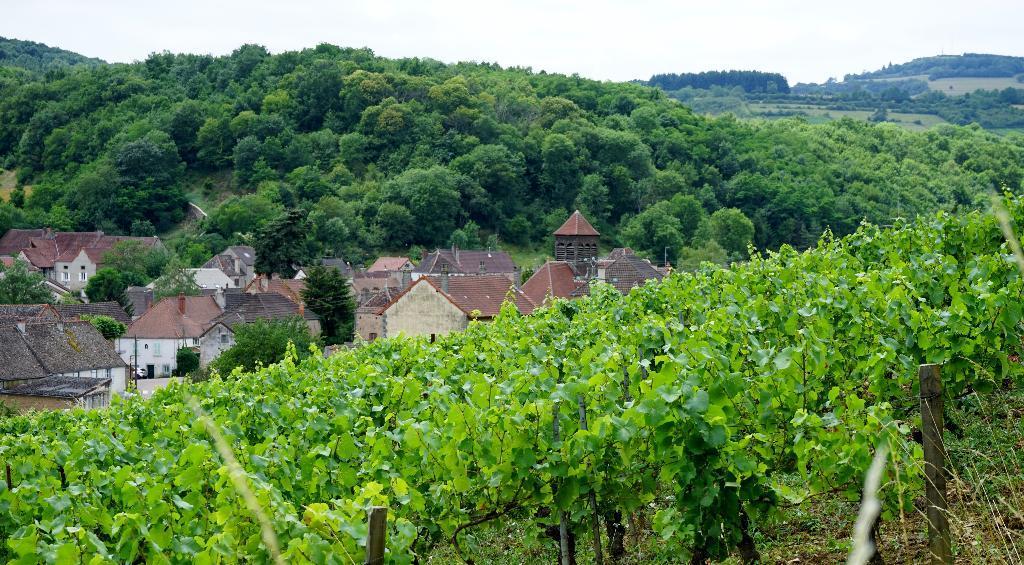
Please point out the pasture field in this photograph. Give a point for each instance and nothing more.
(963, 85)
(818, 115)
(8, 181)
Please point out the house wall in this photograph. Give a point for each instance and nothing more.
(161, 353)
(369, 326)
(214, 342)
(74, 268)
(422, 311)
(28, 403)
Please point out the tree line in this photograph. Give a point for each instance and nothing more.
(749, 81)
(352, 154)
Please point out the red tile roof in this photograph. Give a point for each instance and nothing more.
(43, 247)
(483, 293)
(576, 225)
(289, 288)
(388, 264)
(554, 279)
(165, 320)
(15, 240)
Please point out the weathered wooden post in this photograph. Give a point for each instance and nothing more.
(7, 468)
(376, 536)
(592, 497)
(939, 544)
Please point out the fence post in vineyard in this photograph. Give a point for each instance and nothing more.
(563, 524)
(595, 521)
(939, 544)
(7, 468)
(376, 535)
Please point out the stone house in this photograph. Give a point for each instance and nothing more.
(57, 364)
(244, 308)
(67, 258)
(237, 262)
(153, 340)
(439, 305)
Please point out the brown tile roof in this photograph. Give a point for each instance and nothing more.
(483, 293)
(15, 240)
(111, 309)
(43, 247)
(165, 320)
(467, 262)
(576, 225)
(388, 264)
(379, 299)
(289, 288)
(244, 308)
(11, 313)
(70, 347)
(16, 359)
(554, 279)
(629, 271)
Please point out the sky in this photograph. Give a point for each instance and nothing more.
(807, 41)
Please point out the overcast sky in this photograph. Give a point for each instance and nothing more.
(808, 41)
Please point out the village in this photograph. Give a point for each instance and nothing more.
(53, 357)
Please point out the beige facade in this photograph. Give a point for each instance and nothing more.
(74, 274)
(422, 310)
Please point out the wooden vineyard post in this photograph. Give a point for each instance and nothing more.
(595, 521)
(939, 544)
(376, 536)
(563, 522)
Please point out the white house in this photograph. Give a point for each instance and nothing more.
(152, 341)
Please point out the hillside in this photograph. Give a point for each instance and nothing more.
(384, 154)
(958, 89)
(702, 417)
(40, 58)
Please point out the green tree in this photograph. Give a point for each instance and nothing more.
(432, 196)
(109, 327)
(186, 361)
(18, 285)
(177, 279)
(281, 244)
(327, 294)
(264, 342)
(655, 231)
(733, 230)
(143, 260)
(110, 284)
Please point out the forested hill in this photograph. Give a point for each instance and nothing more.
(384, 154)
(749, 81)
(949, 66)
(39, 58)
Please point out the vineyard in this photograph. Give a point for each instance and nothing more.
(688, 401)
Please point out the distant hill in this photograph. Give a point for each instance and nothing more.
(39, 58)
(973, 65)
(749, 81)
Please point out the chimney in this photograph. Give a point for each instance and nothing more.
(483, 267)
(264, 283)
(455, 253)
(218, 297)
(406, 276)
(181, 303)
(302, 309)
(444, 278)
(238, 265)
(517, 274)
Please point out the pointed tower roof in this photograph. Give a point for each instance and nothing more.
(576, 225)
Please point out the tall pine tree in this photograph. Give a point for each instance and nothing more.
(328, 295)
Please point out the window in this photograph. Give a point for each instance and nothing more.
(83, 275)
(109, 370)
(433, 337)
(373, 336)
(95, 373)
(156, 349)
(65, 276)
(223, 338)
(195, 341)
(167, 370)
